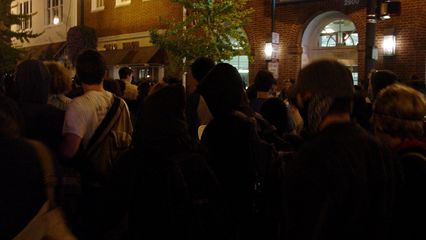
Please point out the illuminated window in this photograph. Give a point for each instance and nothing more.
(242, 64)
(354, 71)
(339, 33)
(54, 11)
(119, 3)
(26, 7)
(98, 5)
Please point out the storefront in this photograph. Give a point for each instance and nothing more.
(147, 63)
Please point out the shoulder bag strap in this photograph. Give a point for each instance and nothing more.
(105, 126)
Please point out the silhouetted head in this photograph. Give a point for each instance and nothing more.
(323, 87)
(201, 67)
(223, 90)
(124, 72)
(264, 81)
(90, 67)
(32, 80)
(399, 111)
(381, 79)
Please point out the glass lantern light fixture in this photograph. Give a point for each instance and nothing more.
(389, 42)
(268, 51)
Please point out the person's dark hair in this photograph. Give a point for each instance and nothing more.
(90, 67)
(201, 67)
(124, 72)
(162, 118)
(223, 90)
(276, 112)
(326, 77)
(381, 79)
(264, 81)
(32, 81)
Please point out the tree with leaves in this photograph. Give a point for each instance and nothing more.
(211, 28)
(9, 55)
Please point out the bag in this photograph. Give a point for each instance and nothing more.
(110, 140)
(49, 223)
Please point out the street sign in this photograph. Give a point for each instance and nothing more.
(275, 51)
(275, 38)
(273, 67)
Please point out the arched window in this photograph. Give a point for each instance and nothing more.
(338, 33)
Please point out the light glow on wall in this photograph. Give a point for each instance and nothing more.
(389, 45)
(268, 51)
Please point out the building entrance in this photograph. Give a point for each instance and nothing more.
(331, 35)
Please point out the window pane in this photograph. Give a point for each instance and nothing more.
(324, 40)
(354, 36)
(242, 64)
(343, 33)
(331, 42)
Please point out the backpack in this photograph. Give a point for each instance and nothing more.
(110, 140)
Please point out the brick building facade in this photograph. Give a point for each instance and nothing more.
(127, 25)
(293, 20)
(122, 27)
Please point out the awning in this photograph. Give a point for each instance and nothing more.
(137, 56)
(51, 51)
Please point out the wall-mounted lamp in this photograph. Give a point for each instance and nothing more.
(389, 42)
(268, 51)
(55, 20)
(389, 9)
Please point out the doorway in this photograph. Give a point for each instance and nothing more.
(331, 35)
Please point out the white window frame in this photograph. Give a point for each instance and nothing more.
(338, 36)
(98, 5)
(50, 11)
(120, 3)
(27, 24)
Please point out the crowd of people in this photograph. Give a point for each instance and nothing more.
(92, 158)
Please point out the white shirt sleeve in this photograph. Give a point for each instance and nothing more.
(76, 120)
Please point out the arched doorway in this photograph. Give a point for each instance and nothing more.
(331, 35)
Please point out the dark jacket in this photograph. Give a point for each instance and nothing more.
(42, 122)
(249, 175)
(22, 184)
(173, 188)
(409, 220)
(340, 185)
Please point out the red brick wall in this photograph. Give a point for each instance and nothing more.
(291, 20)
(410, 30)
(139, 16)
